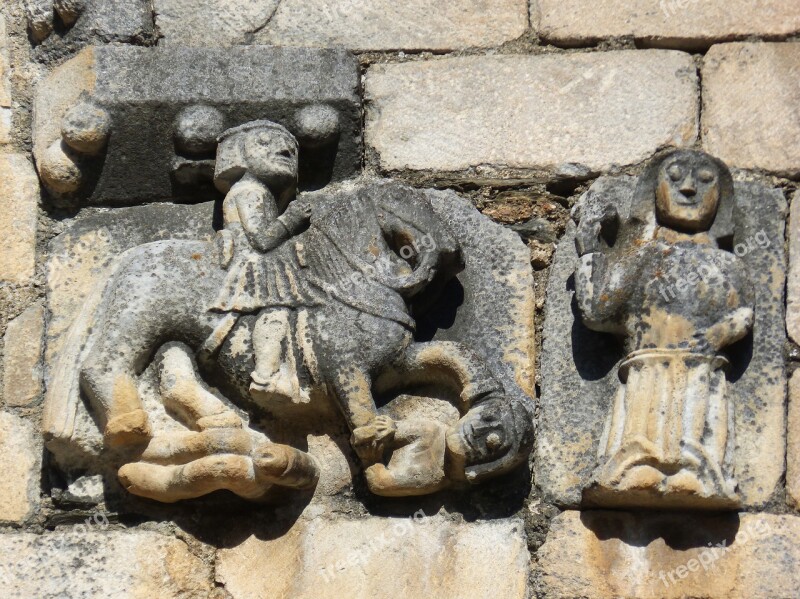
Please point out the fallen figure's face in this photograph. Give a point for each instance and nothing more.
(490, 438)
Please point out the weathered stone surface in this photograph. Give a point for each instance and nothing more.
(793, 278)
(603, 554)
(688, 24)
(19, 208)
(493, 377)
(5, 86)
(380, 557)
(85, 22)
(131, 86)
(579, 366)
(20, 462)
(373, 25)
(793, 443)
(87, 561)
(574, 114)
(750, 104)
(22, 351)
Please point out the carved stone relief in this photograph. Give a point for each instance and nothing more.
(663, 364)
(203, 360)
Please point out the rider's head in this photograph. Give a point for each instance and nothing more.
(263, 149)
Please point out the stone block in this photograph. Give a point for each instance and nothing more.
(750, 98)
(685, 24)
(793, 443)
(580, 374)
(602, 554)
(19, 209)
(20, 461)
(5, 79)
(88, 560)
(62, 26)
(380, 557)
(22, 351)
(573, 114)
(166, 107)
(354, 24)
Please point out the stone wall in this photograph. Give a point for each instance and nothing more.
(519, 109)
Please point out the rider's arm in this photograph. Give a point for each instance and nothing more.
(264, 234)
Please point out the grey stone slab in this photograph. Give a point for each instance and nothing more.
(144, 91)
(62, 29)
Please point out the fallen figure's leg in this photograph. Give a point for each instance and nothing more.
(186, 465)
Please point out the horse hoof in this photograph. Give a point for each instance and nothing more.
(128, 429)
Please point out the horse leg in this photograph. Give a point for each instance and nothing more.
(192, 464)
(184, 395)
(108, 377)
(448, 364)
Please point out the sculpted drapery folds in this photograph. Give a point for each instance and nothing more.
(664, 283)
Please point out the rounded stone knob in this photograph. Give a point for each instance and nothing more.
(197, 129)
(59, 169)
(69, 10)
(317, 125)
(86, 128)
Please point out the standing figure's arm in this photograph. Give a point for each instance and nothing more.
(603, 289)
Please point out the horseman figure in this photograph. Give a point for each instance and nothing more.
(324, 286)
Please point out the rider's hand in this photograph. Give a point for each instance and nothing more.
(297, 213)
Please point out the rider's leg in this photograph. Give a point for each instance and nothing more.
(273, 374)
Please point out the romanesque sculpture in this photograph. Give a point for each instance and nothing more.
(662, 282)
(299, 299)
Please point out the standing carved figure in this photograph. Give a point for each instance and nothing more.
(660, 280)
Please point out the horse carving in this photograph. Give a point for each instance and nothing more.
(324, 289)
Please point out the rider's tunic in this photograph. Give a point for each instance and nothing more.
(256, 280)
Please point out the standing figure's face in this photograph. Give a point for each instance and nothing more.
(271, 156)
(688, 193)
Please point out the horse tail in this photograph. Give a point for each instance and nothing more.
(63, 395)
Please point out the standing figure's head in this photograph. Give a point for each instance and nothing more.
(263, 149)
(688, 191)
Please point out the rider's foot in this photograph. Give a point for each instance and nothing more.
(280, 386)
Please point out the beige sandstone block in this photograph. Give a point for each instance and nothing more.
(658, 556)
(22, 372)
(5, 78)
(89, 561)
(380, 558)
(574, 114)
(355, 24)
(20, 464)
(665, 23)
(793, 443)
(19, 204)
(750, 106)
